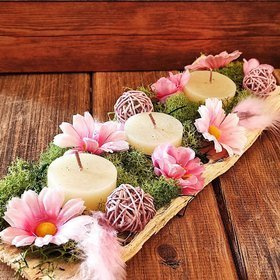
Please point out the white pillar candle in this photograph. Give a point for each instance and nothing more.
(145, 137)
(93, 183)
(200, 88)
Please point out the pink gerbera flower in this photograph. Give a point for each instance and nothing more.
(220, 128)
(167, 86)
(214, 61)
(43, 219)
(179, 164)
(253, 63)
(88, 135)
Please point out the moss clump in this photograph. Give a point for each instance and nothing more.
(133, 167)
(191, 138)
(53, 152)
(21, 176)
(125, 177)
(235, 72)
(162, 190)
(180, 107)
(240, 95)
(147, 91)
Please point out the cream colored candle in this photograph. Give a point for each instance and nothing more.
(93, 183)
(199, 86)
(144, 136)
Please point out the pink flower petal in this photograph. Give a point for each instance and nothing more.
(51, 199)
(80, 126)
(166, 87)
(8, 234)
(68, 129)
(22, 240)
(213, 62)
(71, 209)
(65, 141)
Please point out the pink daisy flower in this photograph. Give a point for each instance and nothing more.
(213, 61)
(220, 128)
(166, 87)
(179, 164)
(88, 135)
(43, 219)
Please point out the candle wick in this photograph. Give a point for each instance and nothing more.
(211, 75)
(79, 160)
(152, 120)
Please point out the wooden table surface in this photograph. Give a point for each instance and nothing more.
(230, 231)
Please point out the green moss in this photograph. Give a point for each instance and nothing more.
(53, 152)
(48, 255)
(21, 176)
(181, 108)
(162, 190)
(235, 72)
(133, 167)
(147, 91)
(191, 138)
(229, 104)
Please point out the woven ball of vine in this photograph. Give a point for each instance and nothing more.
(260, 81)
(130, 103)
(129, 209)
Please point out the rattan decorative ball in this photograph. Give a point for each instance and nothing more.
(260, 81)
(130, 103)
(129, 209)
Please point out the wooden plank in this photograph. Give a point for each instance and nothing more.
(93, 36)
(249, 199)
(88, 18)
(187, 236)
(186, 246)
(31, 108)
(118, 53)
(112, 1)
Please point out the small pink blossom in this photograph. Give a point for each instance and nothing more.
(166, 87)
(213, 62)
(220, 128)
(88, 135)
(43, 219)
(179, 164)
(253, 63)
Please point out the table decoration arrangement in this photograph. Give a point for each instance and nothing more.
(101, 190)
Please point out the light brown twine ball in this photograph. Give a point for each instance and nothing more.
(129, 208)
(130, 103)
(260, 81)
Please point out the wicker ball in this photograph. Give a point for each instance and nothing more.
(260, 81)
(129, 208)
(130, 103)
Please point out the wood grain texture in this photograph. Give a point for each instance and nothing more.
(186, 246)
(94, 36)
(31, 108)
(249, 199)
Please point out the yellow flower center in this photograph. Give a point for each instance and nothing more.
(215, 131)
(45, 228)
(186, 176)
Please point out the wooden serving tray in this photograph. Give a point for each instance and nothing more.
(63, 271)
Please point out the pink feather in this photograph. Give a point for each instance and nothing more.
(258, 113)
(102, 252)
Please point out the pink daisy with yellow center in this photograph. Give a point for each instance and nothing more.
(220, 128)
